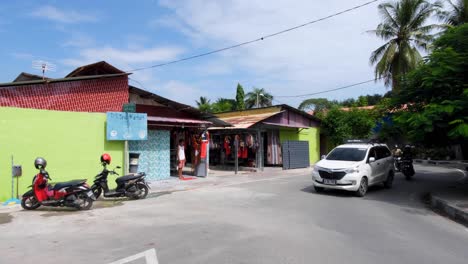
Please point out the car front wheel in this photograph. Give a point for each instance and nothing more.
(361, 192)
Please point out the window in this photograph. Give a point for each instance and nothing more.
(372, 153)
(382, 153)
(347, 154)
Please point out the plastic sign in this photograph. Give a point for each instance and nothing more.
(126, 126)
(129, 108)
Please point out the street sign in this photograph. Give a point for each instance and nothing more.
(129, 108)
(126, 126)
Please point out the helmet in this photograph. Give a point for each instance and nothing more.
(106, 158)
(40, 163)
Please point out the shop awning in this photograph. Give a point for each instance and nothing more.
(161, 119)
(245, 121)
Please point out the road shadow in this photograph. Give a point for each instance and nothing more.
(5, 218)
(339, 193)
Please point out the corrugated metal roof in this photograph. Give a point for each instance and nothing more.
(177, 120)
(246, 121)
(71, 79)
(177, 106)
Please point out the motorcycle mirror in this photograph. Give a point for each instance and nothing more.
(118, 167)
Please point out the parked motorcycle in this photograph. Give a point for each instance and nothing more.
(75, 193)
(132, 186)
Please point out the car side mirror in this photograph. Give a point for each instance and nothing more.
(371, 159)
(323, 157)
(118, 167)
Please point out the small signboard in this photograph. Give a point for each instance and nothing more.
(129, 108)
(126, 126)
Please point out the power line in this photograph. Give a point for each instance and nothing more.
(327, 91)
(254, 40)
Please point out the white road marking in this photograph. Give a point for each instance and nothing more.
(149, 255)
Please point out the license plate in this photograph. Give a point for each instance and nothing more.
(330, 182)
(89, 193)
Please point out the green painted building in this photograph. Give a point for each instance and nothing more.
(71, 142)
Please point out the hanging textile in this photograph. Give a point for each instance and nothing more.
(274, 156)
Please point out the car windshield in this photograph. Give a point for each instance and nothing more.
(347, 154)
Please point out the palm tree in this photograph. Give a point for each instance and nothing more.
(405, 30)
(258, 97)
(203, 104)
(457, 15)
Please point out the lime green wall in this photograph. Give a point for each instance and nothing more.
(71, 142)
(310, 134)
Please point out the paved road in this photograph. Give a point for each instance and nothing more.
(267, 221)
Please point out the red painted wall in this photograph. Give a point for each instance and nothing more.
(95, 95)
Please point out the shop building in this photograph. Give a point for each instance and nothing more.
(64, 121)
(278, 135)
(168, 122)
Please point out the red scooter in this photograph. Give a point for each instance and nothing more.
(75, 193)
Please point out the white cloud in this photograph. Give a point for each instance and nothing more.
(124, 56)
(321, 56)
(178, 91)
(63, 16)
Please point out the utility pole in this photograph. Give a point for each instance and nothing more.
(258, 103)
(257, 99)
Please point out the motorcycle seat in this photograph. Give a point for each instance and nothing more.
(60, 185)
(129, 177)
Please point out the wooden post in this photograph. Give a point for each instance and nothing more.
(236, 158)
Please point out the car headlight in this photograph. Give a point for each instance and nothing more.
(315, 170)
(352, 170)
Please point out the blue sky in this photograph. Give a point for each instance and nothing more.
(135, 34)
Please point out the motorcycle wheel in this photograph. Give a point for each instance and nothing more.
(30, 203)
(141, 192)
(86, 202)
(408, 175)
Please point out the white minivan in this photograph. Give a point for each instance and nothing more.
(354, 167)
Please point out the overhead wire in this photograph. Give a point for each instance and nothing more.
(254, 40)
(327, 91)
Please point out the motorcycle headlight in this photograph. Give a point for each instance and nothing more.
(352, 170)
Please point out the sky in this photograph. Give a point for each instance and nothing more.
(133, 34)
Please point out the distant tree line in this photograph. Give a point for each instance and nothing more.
(258, 97)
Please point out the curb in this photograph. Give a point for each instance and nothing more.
(452, 211)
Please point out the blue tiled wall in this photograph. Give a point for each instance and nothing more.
(154, 154)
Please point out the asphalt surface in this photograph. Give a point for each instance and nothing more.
(268, 220)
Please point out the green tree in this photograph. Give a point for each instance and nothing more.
(240, 100)
(458, 13)
(316, 104)
(203, 104)
(363, 101)
(404, 29)
(339, 125)
(435, 95)
(223, 105)
(258, 97)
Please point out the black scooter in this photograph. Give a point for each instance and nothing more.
(406, 166)
(132, 186)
